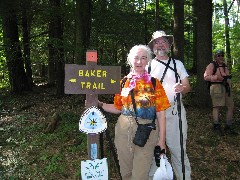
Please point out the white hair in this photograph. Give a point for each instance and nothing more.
(133, 51)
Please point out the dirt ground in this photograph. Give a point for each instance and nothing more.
(31, 151)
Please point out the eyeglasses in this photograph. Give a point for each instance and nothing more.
(220, 55)
(143, 58)
(165, 41)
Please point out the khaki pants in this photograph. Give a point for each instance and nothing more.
(134, 161)
(173, 140)
(220, 96)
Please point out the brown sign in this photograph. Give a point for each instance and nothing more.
(92, 79)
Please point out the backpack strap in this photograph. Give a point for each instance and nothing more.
(175, 70)
(215, 67)
(149, 68)
(123, 82)
(153, 80)
(166, 68)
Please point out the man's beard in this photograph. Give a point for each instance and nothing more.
(159, 52)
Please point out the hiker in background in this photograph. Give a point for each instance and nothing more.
(217, 74)
(148, 103)
(174, 78)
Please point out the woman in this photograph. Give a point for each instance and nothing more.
(150, 102)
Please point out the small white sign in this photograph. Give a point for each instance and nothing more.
(92, 121)
(96, 169)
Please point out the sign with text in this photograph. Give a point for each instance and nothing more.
(92, 79)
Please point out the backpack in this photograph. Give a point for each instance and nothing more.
(214, 71)
(214, 67)
(153, 80)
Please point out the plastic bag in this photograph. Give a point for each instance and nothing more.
(164, 172)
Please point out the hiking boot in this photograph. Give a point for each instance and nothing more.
(228, 129)
(217, 129)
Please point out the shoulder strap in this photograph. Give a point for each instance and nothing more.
(123, 82)
(175, 70)
(224, 66)
(149, 68)
(152, 79)
(215, 67)
(167, 66)
(153, 82)
(134, 104)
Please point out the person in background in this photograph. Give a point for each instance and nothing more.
(151, 102)
(174, 78)
(217, 74)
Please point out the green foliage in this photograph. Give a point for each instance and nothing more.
(27, 138)
(4, 79)
(54, 163)
(218, 32)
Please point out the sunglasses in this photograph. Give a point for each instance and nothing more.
(220, 55)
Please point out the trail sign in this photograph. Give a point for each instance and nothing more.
(92, 79)
(92, 121)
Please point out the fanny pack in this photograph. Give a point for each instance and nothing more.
(143, 133)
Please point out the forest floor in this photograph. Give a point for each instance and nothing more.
(32, 149)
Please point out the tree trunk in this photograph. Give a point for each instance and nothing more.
(203, 13)
(83, 28)
(157, 19)
(178, 30)
(56, 52)
(227, 42)
(146, 22)
(17, 75)
(26, 44)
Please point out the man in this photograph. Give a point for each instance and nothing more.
(174, 78)
(217, 74)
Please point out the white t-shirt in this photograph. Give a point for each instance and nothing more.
(157, 70)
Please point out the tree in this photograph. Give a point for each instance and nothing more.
(56, 51)
(83, 29)
(203, 45)
(157, 19)
(17, 75)
(26, 21)
(228, 50)
(226, 30)
(178, 29)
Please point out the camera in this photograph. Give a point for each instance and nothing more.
(225, 80)
(157, 154)
(227, 77)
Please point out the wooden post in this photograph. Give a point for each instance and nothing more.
(92, 100)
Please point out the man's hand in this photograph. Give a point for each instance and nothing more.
(178, 88)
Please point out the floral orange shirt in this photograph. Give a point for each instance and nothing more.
(148, 101)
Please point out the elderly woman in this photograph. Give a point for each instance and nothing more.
(142, 101)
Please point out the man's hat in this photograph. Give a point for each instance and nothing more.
(219, 52)
(159, 34)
